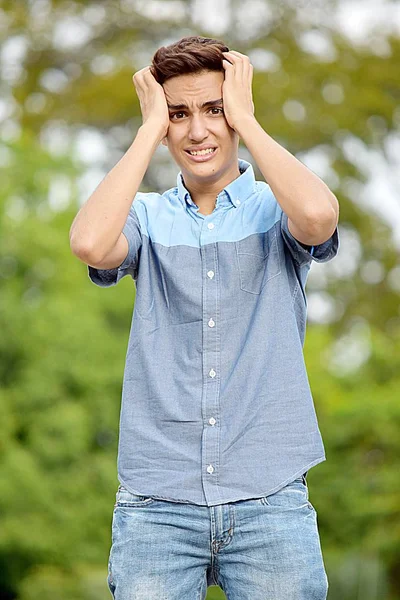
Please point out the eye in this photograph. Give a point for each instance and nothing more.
(219, 111)
(176, 115)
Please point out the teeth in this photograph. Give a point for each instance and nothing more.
(201, 152)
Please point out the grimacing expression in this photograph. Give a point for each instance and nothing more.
(199, 137)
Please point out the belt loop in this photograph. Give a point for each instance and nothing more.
(304, 478)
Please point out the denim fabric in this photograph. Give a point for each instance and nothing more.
(216, 403)
(253, 549)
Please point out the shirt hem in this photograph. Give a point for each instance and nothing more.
(297, 474)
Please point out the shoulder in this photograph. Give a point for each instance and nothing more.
(149, 205)
(154, 199)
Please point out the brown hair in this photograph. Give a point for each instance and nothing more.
(191, 54)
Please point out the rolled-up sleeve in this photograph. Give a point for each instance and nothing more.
(303, 254)
(130, 265)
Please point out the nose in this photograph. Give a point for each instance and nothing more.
(198, 128)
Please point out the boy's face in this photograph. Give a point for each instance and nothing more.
(196, 125)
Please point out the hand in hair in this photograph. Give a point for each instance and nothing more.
(237, 88)
(153, 103)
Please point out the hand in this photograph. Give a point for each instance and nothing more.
(236, 89)
(153, 102)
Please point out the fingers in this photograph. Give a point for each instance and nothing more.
(236, 56)
(241, 64)
(250, 74)
(238, 79)
(144, 78)
(138, 76)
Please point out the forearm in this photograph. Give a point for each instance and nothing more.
(99, 222)
(302, 195)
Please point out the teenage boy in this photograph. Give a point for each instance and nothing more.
(218, 427)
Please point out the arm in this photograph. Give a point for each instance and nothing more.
(96, 232)
(311, 207)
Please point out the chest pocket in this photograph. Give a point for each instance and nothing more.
(258, 260)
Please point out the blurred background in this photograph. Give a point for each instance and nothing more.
(327, 87)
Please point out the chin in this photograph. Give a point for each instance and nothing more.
(205, 172)
(206, 167)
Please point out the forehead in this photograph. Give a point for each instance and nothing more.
(195, 88)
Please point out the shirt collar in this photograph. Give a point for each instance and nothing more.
(237, 191)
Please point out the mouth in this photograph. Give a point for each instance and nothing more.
(202, 155)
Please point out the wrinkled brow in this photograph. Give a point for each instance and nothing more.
(204, 105)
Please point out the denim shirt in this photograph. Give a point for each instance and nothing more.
(216, 403)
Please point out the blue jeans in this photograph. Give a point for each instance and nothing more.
(260, 549)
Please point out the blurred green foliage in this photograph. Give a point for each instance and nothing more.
(63, 342)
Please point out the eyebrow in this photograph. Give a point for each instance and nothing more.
(204, 105)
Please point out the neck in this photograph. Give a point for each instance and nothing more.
(204, 193)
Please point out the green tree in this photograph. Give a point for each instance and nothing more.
(64, 340)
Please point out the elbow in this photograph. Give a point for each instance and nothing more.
(78, 242)
(323, 228)
(82, 251)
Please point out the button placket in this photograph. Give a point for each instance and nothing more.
(210, 360)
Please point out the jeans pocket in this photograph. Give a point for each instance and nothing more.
(292, 495)
(125, 498)
(258, 260)
(302, 478)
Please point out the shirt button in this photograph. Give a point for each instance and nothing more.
(237, 201)
(212, 421)
(210, 469)
(211, 323)
(210, 226)
(212, 373)
(210, 274)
